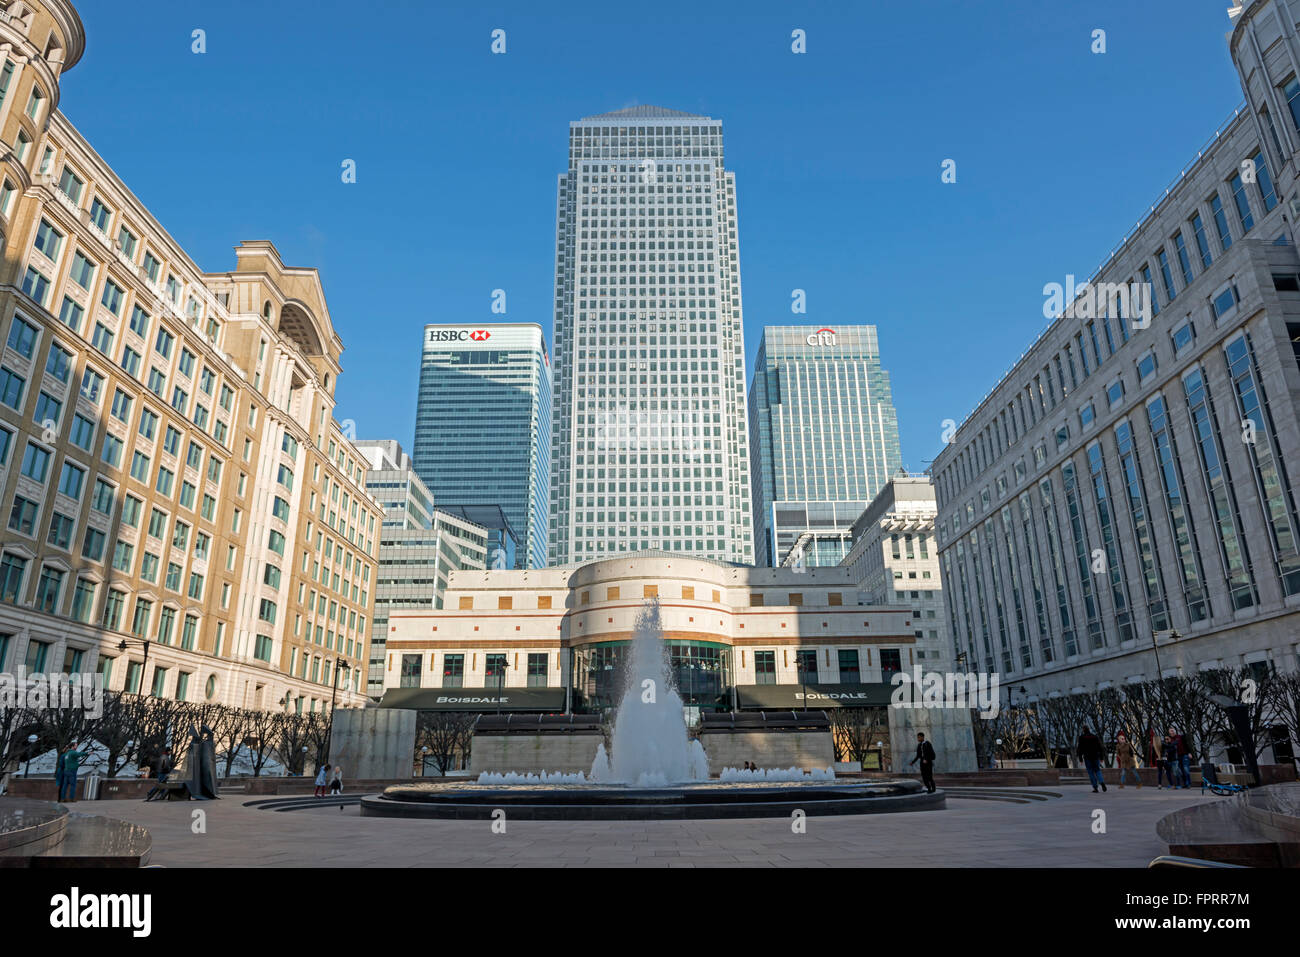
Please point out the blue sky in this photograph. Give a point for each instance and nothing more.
(837, 155)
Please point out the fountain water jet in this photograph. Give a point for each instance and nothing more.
(650, 743)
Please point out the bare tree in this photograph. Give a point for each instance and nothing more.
(854, 731)
(446, 734)
(291, 741)
(263, 727)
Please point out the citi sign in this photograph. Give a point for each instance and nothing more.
(822, 337)
(459, 335)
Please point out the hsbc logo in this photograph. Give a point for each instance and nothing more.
(459, 335)
(822, 337)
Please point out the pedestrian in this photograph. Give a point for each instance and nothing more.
(925, 754)
(71, 762)
(336, 782)
(1127, 759)
(1168, 759)
(58, 772)
(322, 778)
(1184, 759)
(1091, 753)
(164, 770)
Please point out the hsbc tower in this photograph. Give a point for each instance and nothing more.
(483, 424)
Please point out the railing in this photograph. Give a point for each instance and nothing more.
(1171, 861)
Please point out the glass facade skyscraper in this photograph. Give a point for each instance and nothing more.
(482, 424)
(650, 448)
(823, 436)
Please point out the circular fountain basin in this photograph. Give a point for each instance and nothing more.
(608, 802)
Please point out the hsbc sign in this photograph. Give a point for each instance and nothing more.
(822, 337)
(459, 335)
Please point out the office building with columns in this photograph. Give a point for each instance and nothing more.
(894, 561)
(179, 510)
(1128, 489)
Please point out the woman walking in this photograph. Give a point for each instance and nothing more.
(322, 778)
(1127, 759)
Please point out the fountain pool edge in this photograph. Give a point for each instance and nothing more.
(689, 802)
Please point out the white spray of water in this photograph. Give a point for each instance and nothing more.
(545, 777)
(773, 775)
(650, 743)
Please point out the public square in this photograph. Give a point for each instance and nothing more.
(1054, 832)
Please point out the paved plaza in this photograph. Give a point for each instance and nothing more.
(1054, 833)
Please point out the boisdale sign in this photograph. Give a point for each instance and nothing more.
(816, 696)
(459, 335)
(475, 699)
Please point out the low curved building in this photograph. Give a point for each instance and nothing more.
(740, 637)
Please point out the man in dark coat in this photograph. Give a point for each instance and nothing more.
(1092, 753)
(925, 754)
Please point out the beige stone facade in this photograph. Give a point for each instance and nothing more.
(170, 468)
(751, 614)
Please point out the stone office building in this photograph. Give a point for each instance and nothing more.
(1132, 479)
(179, 510)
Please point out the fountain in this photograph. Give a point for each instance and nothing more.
(650, 741)
(655, 771)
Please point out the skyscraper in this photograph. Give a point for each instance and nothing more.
(482, 424)
(824, 439)
(649, 445)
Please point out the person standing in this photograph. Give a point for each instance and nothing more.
(336, 782)
(1091, 753)
(925, 754)
(1184, 758)
(1168, 758)
(71, 762)
(322, 779)
(58, 772)
(1127, 759)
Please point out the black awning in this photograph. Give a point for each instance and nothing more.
(487, 700)
(817, 696)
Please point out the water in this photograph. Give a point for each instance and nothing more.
(650, 744)
(775, 775)
(545, 777)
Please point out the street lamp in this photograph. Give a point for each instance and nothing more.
(1173, 636)
(998, 742)
(144, 669)
(339, 665)
(31, 745)
(501, 680)
(304, 760)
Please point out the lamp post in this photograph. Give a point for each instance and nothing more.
(1155, 647)
(998, 742)
(501, 680)
(339, 665)
(31, 744)
(144, 668)
(304, 760)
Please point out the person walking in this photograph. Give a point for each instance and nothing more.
(1168, 758)
(1127, 758)
(925, 754)
(322, 779)
(70, 762)
(1184, 758)
(336, 782)
(1091, 753)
